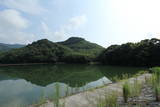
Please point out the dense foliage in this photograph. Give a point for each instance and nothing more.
(41, 51)
(78, 50)
(81, 46)
(144, 53)
(45, 51)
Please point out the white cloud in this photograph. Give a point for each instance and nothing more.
(28, 6)
(48, 33)
(14, 37)
(12, 26)
(73, 24)
(12, 19)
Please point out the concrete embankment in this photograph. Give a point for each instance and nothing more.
(89, 98)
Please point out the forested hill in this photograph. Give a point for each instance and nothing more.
(45, 51)
(82, 46)
(143, 53)
(37, 52)
(78, 50)
(6, 47)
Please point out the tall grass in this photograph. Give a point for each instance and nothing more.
(110, 100)
(157, 92)
(56, 97)
(154, 82)
(136, 88)
(131, 89)
(126, 91)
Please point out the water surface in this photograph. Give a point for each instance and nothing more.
(25, 85)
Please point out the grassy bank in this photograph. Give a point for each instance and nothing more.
(132, 93)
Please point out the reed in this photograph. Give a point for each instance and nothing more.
(157, 92)
(126, 91)
(136, 88)
(109, 100)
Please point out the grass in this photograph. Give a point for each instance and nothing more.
(110, 100)
(136, 88)
(154, 82)
(126, 91)
(56, 98)
(157, 92)
(131, 89)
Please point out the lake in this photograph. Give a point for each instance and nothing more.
(25, 85)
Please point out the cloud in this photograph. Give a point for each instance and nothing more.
(12, 19)
(27, 6)
(12, 26)
(73, 24)
(48, 33)
(14, 37)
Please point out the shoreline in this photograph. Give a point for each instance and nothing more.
(88, 98)
(1, 65)
(91, 63)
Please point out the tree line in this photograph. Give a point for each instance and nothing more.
(143, 53)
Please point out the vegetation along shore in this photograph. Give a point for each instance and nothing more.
(78, 50)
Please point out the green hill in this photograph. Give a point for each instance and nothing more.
(37, 52)
(73, 50)
(4, 48)
(82, 46)
(7, 47)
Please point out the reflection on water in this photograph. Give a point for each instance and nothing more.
(24, 85)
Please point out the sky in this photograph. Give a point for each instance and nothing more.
(104, 22)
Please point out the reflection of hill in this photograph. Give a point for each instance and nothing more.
(47, 74)
(118, 71)
(74, 75)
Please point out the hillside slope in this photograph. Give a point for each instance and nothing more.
(6, 47)
(37, 52)
(82, 46)
(73, 50)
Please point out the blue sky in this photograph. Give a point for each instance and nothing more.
(104, 22)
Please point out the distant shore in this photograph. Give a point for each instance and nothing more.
(91, 63)
(22, 64)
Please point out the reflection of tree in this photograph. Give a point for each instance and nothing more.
(74, 75)
(47, 74)
(117, 71)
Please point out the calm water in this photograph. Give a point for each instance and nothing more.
(25, 85)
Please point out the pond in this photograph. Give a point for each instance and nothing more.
(25, 85)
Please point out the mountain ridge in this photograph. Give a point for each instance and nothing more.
(7, 47)
(45, 51)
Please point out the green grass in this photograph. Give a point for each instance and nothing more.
(110, 100)
(154, 82)
(157, 92)
(56, 97)
(126, 91)
(136, 88)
